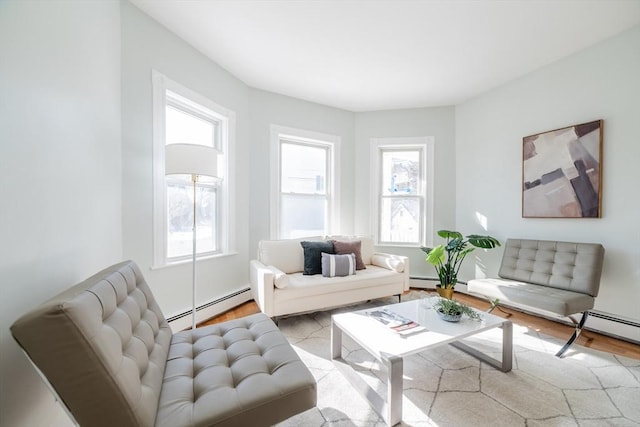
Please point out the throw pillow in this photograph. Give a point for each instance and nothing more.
(338, 265)
(280, 279)
(395, 264)
(313, 257)
(350, 247)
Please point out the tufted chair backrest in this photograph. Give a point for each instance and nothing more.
(571, 266)
(103, 346)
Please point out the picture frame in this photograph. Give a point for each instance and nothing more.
(562, 172)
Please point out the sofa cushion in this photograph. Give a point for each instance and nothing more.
(302, 287)
(350, 247)
(338, 265)
(313, 255)
(286, 255)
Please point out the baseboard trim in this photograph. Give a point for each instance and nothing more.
(211, 309)
(423, 282)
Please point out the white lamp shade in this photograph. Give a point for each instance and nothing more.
(191, 159)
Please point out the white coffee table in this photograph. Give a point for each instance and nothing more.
(389, 347)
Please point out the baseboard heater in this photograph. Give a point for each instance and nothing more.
(614, 319)
(209, 304)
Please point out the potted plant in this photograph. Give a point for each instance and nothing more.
(452, 310)
(447, 258)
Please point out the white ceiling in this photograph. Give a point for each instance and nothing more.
(389, 54)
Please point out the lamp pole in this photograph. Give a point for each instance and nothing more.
(194, 178)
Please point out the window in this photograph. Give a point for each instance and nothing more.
(401, 175)
(185, 117)
(304, 183)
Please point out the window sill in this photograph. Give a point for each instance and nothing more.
(190, 260)
(396, 245)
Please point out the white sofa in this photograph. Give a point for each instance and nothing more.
(279, 286)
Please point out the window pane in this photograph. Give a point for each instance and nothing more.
(180, 217)
(302, 216)
(400, 220)
(304, 169)
(184, 128)
(400, 172)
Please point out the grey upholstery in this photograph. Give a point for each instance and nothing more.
(553, 300)
(562, 278)
(573, 267)
(108, 351)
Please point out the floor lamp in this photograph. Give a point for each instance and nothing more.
(194, 160)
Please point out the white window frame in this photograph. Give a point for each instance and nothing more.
(225, 130)
(426, 191)
(281, 134)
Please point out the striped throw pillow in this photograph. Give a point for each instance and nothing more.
(338, 265)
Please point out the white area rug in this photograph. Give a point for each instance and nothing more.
(446, 387)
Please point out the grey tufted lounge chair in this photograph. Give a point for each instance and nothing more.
(109, 354)
(559, 278)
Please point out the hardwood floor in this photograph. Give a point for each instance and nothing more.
(548, 327)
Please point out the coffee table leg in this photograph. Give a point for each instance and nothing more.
(393, 410)
(507, 350)
(507, 346)
(336, 341)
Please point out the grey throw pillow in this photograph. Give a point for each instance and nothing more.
(338, 265)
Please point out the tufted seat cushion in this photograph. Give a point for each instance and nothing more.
(108, 351)
(557, 301)
(240, 373)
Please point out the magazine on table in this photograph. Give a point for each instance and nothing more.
(395, 322)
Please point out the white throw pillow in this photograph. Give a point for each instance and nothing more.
(395, 264)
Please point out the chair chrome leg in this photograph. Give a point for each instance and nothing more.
(576, 333)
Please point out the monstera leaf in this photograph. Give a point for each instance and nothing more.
(447, 258)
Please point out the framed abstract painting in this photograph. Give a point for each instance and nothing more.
(562, 173)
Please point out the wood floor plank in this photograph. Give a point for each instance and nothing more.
(589, 339)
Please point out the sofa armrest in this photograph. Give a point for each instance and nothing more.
(397, 263)
(262, 286)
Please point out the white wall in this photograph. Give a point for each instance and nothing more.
(598, 83)
(267, 108)
(60, 171)
(436, 122)
(146, 45)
